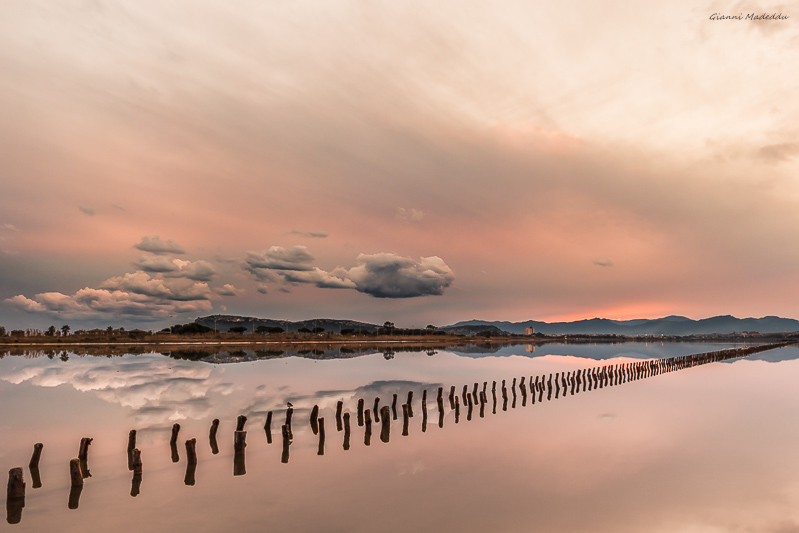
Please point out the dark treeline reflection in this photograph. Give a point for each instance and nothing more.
(511, 393)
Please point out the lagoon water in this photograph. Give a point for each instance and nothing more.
(704, 449)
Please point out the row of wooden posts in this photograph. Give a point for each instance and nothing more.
(574, 382)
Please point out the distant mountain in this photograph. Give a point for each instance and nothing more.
(225, 322)
(670, 325)
(470, 330)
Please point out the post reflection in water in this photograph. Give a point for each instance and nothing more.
(570, 382)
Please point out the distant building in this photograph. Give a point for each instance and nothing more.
(529, 331)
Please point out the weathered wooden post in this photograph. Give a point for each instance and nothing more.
(385, 420)
(212, 436)
(376, 409)
(83, 456)
(75, 474)
(175, 430)
(74, 497)
(523, 389)
(405, 417)
(483, 402)
(367, 435)
(464, 393)
(135, 483)
(452, 397)
(189, 478)
(440, 403)
(339, 407)
(393, 408)
(346, 431)
(268, 427)
(424, 411)
(471, 405)
(409, 403)
(239, 441)
(321, 450)
(15, 496)
(557, 385)
(474, 394)
(191, 450)
(83, 453)
(440, 395)
(240, 463)
(240, 421)
(457, 410)
(37, 454)
(360, 412)
(314, 419)
(286, 441)
(289, 412)
(137, 465)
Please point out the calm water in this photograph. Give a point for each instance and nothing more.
(705, 449)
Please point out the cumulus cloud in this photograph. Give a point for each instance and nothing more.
(263, 265)
(87, 210)
(382, 275)
(412, 215)
(387, 275)
(228, 290)
(132, 294)
(194, 270)
(157, 390)
(154, 244)
(310, 234)
(603, 262)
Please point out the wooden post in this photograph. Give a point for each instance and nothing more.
(465, 393)
(410, 403)
(339, 406)
(376, 409)
(240, 464)
(240, 421)
(289, 412)
(189, 478)
(268, 427)
(452, 397)
(367, 436)
(16, 484)
(405, 420)
(83, 453)
(15, 497)
(135, 484)
(424, 411)
(37, 454)
(74, 497)
(314, 419)
(137, 465)
(286, 441)
(75, 474)
(385, 420)
(239, 441)
(212, 436)
(175, 430)
(360, 412)
(191, 450)
(483, 402)
(457, 410)
(471, 405)
(393, 408)
(346, 431)
(440, 403)
(321, 450)
(131, 440)
(440, 395)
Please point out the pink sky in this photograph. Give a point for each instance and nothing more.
(436, 162)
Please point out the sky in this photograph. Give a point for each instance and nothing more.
(418, 162)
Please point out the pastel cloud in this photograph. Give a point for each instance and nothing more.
(154, 244)
(382, 275)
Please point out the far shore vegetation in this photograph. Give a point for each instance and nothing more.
(197, 333)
